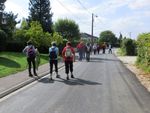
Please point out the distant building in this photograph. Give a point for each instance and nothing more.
(88, 37)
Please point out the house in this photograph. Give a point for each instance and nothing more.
(88, 37)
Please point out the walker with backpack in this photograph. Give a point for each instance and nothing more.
(68, 53)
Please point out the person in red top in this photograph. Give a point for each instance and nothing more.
(68, 55)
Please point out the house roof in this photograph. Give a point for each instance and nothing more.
(86, 35)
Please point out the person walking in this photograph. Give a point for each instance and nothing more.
(104, 47)
(95, 48)
(29, 50)
(53, 59)
(80, 48)
(110, 48)
(88, 51)
(68, 55)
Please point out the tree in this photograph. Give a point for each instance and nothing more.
(128, 46)
(24, 24)
(67, 28)
(108, 37)
(120, 39)
(2, 7)
(3, 37)
(57, 38)
(36, 34)
(40, 11)
(10, 24)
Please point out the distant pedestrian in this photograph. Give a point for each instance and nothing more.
(104, 47)
(68, 54)
(31, 54)
(88, 51)
(98, 48)
(95, 48)
(109, 48)
(53, 59)
(81, 50)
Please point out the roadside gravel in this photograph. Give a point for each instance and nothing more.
(129, 62)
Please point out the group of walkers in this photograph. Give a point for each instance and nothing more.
(68, 55)
(85, 50)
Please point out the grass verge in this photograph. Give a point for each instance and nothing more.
(12, 62)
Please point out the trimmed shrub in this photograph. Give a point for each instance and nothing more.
(128, 47)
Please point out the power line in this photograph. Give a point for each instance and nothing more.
(87, 9)
(69, 11)
(83, 7)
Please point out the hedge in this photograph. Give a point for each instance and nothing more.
(143, 57)
(3, 38)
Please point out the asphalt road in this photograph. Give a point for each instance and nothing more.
(102, 85)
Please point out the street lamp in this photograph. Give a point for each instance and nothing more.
(92, 26)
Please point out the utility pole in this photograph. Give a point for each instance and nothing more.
(130, 34)
(92, 28)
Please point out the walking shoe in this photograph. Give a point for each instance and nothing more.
(35, 74)
(57, 76)
(72, 76)
(50, 78)
(67, 77)
(30, 75)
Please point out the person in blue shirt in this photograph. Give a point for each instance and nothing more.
(53, 59)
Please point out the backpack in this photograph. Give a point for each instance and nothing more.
(88, 48)
(53, 54)
(31, 52)
(68, 52)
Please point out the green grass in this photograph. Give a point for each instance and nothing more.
(120, 52)
(11, 62)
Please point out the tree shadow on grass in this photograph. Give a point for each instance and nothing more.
(9, 63)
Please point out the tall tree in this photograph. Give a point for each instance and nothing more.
(108, 37)
(68, 29)
(2, 7)
(40, 11)
(10, 24)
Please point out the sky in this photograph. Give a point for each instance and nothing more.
(128, 17)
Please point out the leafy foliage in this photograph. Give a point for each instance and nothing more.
(108, 37)
(57, 38)
(144, 50)
(2, 7)
(3, 37)
(10, 24)
(36, 34)
(128, 47)
(68, 29)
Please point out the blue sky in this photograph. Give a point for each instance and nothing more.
(130, 17)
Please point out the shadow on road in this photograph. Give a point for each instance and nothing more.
(101, 59)
(74, 81)
(46, 80)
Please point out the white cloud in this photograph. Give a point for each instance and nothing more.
(109, 7)
(16, 9)
(138, 4)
